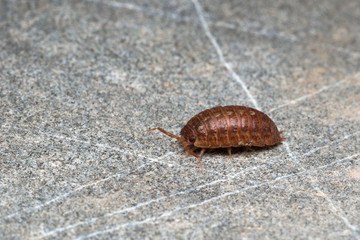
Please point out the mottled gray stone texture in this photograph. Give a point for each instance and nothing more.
(81, 80)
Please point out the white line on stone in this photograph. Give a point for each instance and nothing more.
(220, 53)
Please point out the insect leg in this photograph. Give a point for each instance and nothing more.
(229, 151)
(167, 133)
(192, 150)
(192, 153)
(249, 149)
(282, 137)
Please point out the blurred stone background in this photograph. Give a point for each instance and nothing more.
(81, 80)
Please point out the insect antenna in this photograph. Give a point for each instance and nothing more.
(180, 139)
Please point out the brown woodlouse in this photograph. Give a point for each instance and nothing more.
(226, 127)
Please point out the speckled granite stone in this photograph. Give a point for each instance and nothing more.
(81, 80)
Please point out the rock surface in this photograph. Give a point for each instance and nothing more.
(81, 80)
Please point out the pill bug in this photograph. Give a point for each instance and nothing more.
(226, 127)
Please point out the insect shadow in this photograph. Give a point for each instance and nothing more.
(236, 152)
